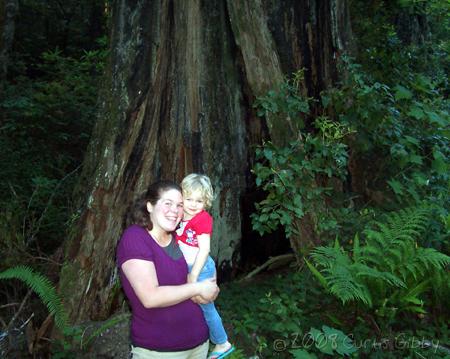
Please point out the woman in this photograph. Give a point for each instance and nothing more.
(165, 322)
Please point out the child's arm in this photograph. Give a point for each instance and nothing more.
(204, 241)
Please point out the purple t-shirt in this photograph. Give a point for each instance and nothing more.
(174, 328)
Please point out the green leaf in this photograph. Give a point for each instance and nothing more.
(402, 93)
(340, 342)
(417, 113)
(325, 100)
(324, 345)
(439, 163)
(322, 280)
(268, 154)
(436, 119)
(315, 333)
(420, 179)
(415, 159)
(396, 186)
(302, 354)
(412, 140)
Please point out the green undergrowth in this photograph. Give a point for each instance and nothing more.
(286, 314)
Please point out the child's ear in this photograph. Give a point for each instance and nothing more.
(149, 207)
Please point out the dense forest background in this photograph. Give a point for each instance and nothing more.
(356, 202)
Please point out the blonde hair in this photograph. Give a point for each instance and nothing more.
(198, 183)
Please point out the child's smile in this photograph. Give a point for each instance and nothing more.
(193, 203)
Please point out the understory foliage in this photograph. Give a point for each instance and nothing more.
(73, 338)
(389, 272)
(288, 174)
(42, 287)
(274, 318)
(47, 110)
(45, 128)
(289, 315)
(296, 177)
(371, 158)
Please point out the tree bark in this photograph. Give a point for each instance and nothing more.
(178, 98)
(8, 11)
(277, 38)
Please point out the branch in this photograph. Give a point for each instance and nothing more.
(269, 262)
(19, 310)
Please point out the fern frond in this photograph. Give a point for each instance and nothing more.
(389, 269)
(386, 277)
(403, 225)
(396, 253)
(422, 261)
(408, 270)
(346, 288)
(431, 257)
(338, 275)
(416, 291)
(43, 288)
(356, 248)
(377, 238)
(329, 256)
(317, 274)
(409, 299)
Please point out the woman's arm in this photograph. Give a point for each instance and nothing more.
(142, 276)
(204, 243)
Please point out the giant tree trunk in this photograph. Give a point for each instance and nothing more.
(178, 98)
(8, 11)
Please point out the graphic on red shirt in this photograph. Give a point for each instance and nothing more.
(191, 238)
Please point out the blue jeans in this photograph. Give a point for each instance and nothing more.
(216, 330)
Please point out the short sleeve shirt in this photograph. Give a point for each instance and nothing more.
(174, 328)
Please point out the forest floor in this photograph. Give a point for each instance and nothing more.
(112, 342)
(257, 311)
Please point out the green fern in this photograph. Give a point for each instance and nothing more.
(43, 288)
(390, 270)
(391, 241)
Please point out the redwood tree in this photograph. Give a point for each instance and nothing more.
(178, 98)
(8, 11)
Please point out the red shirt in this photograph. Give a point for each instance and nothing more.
(188, 231)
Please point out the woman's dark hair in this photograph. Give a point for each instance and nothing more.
(138, 213)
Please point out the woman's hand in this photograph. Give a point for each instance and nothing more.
(199, 300)
(208, 290)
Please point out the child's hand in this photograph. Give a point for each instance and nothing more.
(191, 278)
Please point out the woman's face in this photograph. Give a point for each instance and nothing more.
(167, 212)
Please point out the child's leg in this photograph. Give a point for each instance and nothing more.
(216, 330)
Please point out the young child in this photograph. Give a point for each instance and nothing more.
(194, 237)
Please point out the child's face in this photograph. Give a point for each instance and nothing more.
(193, 203)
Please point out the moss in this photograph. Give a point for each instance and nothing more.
(68, 286)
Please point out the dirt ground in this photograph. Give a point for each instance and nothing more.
(110, 342)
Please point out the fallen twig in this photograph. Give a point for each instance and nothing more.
(22, 305)
(272, 260)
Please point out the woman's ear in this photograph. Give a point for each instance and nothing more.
(149, 207)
